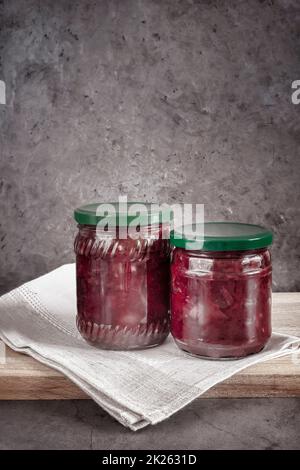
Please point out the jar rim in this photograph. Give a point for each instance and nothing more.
(221, 236)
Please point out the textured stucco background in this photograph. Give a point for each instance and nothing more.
(162, 100)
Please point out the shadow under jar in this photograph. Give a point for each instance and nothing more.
(122, 282)
(221, 289)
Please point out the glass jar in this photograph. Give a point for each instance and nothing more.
(221, 289)
(122, 283)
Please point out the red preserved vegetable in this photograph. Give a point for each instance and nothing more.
(221, 300)
(123, 287)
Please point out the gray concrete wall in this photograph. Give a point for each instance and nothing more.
(162, 100)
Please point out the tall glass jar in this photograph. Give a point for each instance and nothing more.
(122, 282)
(221, 289)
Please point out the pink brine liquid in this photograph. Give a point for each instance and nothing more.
(221, 302)
(123, 288)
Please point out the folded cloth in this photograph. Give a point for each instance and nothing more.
(138, 387)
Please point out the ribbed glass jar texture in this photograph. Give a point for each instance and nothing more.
(221, 302)
(123, 287)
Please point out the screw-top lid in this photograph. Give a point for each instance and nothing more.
(221, 236)
(139, 213)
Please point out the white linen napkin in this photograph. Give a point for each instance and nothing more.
(137, 388)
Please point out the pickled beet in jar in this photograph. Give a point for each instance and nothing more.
(221, 289)
(122, 282)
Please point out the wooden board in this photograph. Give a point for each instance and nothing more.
(23, 378)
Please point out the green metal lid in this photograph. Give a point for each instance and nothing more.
(221, 236)
(139, 213)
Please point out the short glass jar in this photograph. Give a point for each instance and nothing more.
(122, 282)
(221, 289)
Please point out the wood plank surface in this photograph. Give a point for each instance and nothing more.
(23, 378)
